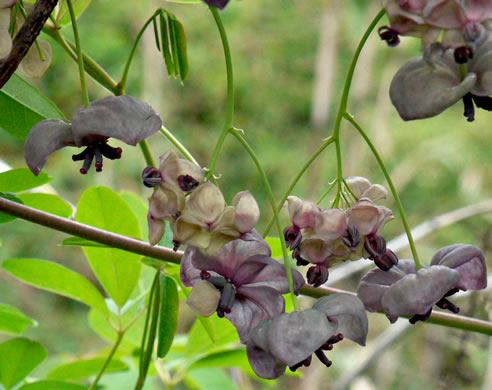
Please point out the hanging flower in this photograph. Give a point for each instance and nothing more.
(250, 283)
(405, 291)
(220, 4)
(290, 339)
(122, 117)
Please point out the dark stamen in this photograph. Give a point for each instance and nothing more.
(389, 35)
(463, 54)
(187, 182)
(420, 317)
(151, 177)
(469, 112)
(110, 152)
(484, 102)
(317, 275)
(386, 261)
(89, 156)
(375, 245)
(80, 156)
(176, 245)
(99, 160)
(447, 305)
(351, 237)
(322, 357)
(204, 275)
(227, 297)
(293, 236)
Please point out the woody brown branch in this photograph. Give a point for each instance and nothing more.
(25, 38)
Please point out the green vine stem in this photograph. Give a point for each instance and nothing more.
(119, 338)
(144, 147)
(90, 66)
(296, 179)
(80, 58)
(122, 84)
(118, 241)
(268, 189)
(403, 216)
(178, 145)
(230, 93)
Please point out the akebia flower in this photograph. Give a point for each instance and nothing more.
(289, 340)
(122, 117)
(249, 281)
(405, 291)
(220, 4)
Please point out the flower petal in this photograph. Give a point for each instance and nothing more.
(330, 224)
(206, 204)
(203, 298)
(468, 260)
(376, 282)
(305, 215)
(417, 293)
(252, 305)
(32, 64)
(358, 185)
(247, 211)
(263, 363)
(172, 168)
(220, 4)
(420, 90)
(45, 138)
(189, 274)
(122, 117)
(157, 227)
(348, 313)
(293, 337)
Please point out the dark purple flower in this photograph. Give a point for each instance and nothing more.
(122, 117)
(250, 282)
(405, 291)
(290, 339)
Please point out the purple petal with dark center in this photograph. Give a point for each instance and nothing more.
(264, 271)
(227, 260)
(121, 117)
(189, 274)
(468, 260)
(347, 313)
(376, 282)
(252, 305)
(45, 138)
(295, 336)
(417, 293)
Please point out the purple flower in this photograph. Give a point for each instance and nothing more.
(290, 339)
(250, 282)
(405, 291)
(121, 117)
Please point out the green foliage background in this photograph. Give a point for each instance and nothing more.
(438, 165)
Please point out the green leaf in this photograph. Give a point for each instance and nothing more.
(165, 42)
(18, 357)
(52, 204)
(79, 241)
(4, 217)
(200, 343)
(235, 358)
(186, 1)
(52, 385)
(79, 6)
(117, 270)
(56, 278)
(168, 319)
(13, 321)
(275, 245)
(210, 379)
(182, 57)
(140, 208)
(174, 46)
(156, 33)
(22, 106)
(84, 368)
(21, 179)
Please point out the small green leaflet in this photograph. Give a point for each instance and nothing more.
(22, 106)
(171, 41)
(21, 179)
(168, 318)
(63, 15)
(13, 321)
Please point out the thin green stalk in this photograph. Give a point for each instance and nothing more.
(346, 90)
(80, 57)
(269, 192)
(230, 92)
(119, 338)
(327, 191)
(90, 66)
(124, 77)
(178, 145)
(296, 179)
(403, 216)
(144, 146)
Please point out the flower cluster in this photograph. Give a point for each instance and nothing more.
(196, 210)
(289, 340)
(464, 22)
(457, 61)
(122, 117)
(404, 290)
(327, 237)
